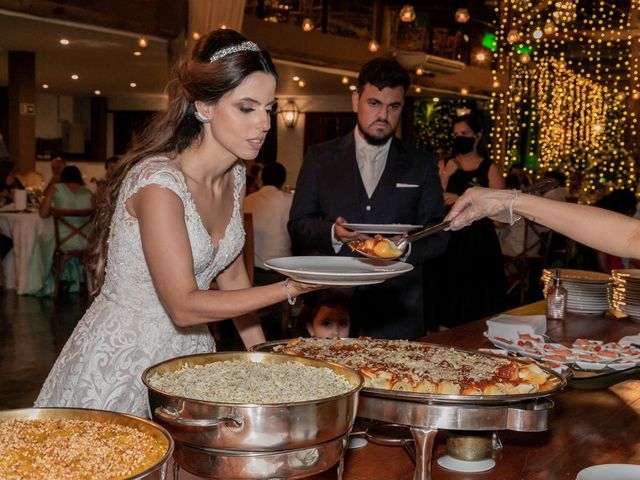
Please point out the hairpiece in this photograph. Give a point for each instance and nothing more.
(241, 47)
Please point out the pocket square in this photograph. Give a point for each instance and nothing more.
(406, 185)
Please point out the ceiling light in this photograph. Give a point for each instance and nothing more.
(137, 53)
(418, 90)
(45, 85)
(223, 26)
(97, 92)
(436, 99)
(133, 84)
(419, 71)
(64, 41)
(345, 80)
(195, 36)
(462, 15)
(407, 14)
(464, 91)
(142, 42)
(352, 88)
(74, 77)
(307, 25)
(295, 78)
(373, 46)
(301, 83)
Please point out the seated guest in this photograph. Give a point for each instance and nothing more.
(269, 208)
(325, 314)
(57, 165)
(8, 181)
(70, 194)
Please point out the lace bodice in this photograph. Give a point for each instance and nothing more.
(127, 269)
(127, 329)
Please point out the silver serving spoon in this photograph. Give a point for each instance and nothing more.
(398, 249)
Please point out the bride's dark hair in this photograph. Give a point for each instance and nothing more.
(172, 131)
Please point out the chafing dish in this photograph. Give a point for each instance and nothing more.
(157, 471)
(214, 439)
(426, 413)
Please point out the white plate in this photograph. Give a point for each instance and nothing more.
(347, 271)
(450, 463)
(390, 228)
(611, 471)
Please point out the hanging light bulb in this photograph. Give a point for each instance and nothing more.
(419, 71)
(495, 84)
(464, 91)
(635, 95)
(142, 42)
(513, 36)
(195, 36)
(462, 15)
(525, 58)
(345, 80)
(307, 25)
(407, 14)
(517, 99)
(549, 28)
(373, 46)
(481, 56)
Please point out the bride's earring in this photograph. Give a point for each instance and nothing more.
(201, 118)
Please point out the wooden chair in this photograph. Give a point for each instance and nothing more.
(62, 255)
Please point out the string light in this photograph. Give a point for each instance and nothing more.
(564, 97)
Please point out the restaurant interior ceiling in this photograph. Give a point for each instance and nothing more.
(104, 59)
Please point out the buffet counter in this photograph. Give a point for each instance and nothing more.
(587, 427)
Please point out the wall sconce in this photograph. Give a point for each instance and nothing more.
(290, 113)
(407, 14)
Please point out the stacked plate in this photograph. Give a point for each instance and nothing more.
(587, 292)
(626, 292)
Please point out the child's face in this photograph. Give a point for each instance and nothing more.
(329, 322)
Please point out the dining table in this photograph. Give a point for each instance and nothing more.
(588, 425)
(23, 227)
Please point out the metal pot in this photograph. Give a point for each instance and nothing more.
(236, 465)
(251, 427)
(157, 471)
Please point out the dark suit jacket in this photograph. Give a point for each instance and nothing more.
(329, 185)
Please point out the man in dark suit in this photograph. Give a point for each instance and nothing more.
(369, 176)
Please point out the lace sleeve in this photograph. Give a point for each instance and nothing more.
(154, 171)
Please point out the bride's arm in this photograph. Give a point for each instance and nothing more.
(167, 250)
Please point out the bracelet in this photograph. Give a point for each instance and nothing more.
(513, 218)
(290, 299)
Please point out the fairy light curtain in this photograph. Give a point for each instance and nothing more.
(565, 90)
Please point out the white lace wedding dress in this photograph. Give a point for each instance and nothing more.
(126, 329)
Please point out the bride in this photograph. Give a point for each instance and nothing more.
(169, 222)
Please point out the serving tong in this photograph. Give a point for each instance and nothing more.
(537, 188)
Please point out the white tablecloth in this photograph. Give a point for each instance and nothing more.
(24, 229)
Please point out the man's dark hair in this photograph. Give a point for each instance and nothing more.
(383, 72)
(71, 174)
(274, 174)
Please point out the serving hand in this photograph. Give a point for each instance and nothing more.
(479, 202)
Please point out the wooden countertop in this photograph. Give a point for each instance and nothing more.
(587, 427)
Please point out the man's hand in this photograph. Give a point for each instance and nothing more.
(343, 234)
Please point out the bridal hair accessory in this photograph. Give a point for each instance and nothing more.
(241, 47)
(201, 118)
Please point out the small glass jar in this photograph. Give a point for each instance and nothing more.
(556, 304)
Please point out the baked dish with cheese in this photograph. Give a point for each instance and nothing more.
(426, 368)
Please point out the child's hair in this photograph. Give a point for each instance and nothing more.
(331, 297)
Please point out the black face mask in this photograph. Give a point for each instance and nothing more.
(463, 145)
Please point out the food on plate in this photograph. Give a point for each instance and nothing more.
(235, 381)
(377, 246)
(423, 368)
(75, 449)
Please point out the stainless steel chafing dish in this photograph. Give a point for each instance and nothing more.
(156, 472)
(253, 441)
(426, 413)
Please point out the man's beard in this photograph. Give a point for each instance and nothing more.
(377, 141)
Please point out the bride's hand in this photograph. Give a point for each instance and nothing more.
(298, 288)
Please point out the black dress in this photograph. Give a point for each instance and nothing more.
(466, 282)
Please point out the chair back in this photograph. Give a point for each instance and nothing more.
(61, 217)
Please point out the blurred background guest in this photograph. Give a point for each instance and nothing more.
(8, 182)
(57, 165)
(325, 314)
(69, 194)
(520, 172)
(471, 268)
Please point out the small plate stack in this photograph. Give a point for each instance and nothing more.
(626, 292)
(587, 292)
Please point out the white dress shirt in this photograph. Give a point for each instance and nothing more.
(270, 209)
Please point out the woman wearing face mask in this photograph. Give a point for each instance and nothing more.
(470, 275)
